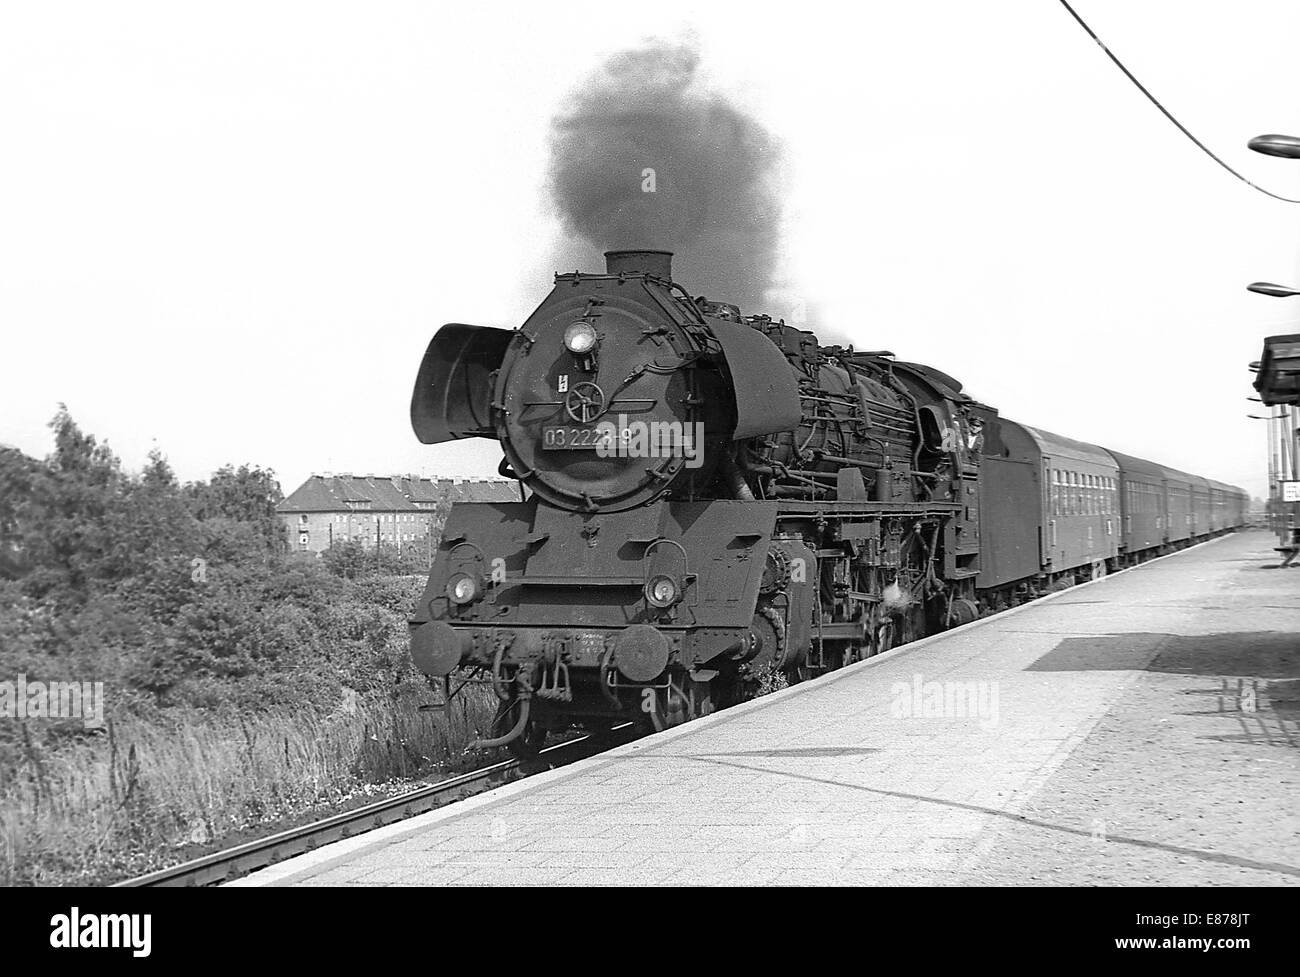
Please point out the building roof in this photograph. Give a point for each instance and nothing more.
(392, 493)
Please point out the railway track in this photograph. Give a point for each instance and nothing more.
(233, 862)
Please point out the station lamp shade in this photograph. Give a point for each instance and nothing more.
(1273, 144)
(1268, 288)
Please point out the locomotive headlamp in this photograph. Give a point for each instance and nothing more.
(462, 588)
(580, 338)
(661, 591)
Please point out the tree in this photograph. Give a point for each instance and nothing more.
(17, 473)
(62, 516)
(348, 558)
(247, 494)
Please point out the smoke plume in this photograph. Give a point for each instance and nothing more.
(645, 156)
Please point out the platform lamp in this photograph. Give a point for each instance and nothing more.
(1272, 144)
(1268, 288)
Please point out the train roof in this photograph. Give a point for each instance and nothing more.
(1138, 466)
(1062, 447)
(1225, 487)
(948, 386)
(1174, 475)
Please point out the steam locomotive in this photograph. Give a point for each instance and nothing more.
(716, 503)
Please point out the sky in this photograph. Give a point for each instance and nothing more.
(228, 231)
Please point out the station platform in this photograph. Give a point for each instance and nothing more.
(1142, 729)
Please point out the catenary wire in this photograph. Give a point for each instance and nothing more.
(1169, 115)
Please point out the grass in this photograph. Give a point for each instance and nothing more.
(129, 801)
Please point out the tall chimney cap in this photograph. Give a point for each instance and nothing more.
(640, 261)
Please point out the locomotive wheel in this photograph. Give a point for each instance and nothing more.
(768, 643)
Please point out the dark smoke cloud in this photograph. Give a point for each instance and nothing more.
(717, 200)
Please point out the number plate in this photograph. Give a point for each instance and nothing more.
(560, 438)
(591, 645)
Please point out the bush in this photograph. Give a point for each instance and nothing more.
(242, 681)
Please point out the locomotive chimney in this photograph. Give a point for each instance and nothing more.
(645, 261)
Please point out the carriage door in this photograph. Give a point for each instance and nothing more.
(1047, 536)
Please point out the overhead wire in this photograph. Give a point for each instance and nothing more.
(1169, 115)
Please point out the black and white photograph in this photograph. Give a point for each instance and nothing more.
(591, 448)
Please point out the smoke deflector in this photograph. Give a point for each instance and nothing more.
(764, 386)
(453, 392)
